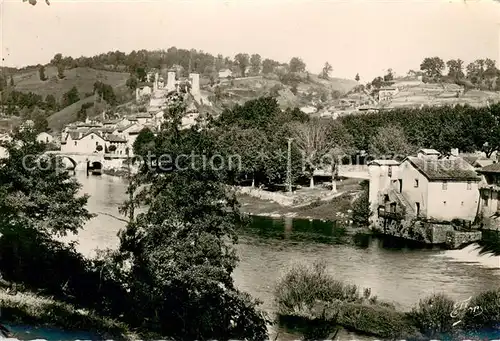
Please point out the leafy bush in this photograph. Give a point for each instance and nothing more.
(300, 289)
(361, 207)
(375, 320)
(487, 313)
(433, 315)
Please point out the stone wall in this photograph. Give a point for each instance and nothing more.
(427, 233)
(457, 239)
(286, 199)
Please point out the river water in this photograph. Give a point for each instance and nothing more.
(397, 273)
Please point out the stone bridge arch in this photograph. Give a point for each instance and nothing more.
(69, 158)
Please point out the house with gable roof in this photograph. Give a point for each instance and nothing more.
(78, 143)
(427, 186)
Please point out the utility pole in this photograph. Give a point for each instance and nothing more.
(289, 166)
(131, 187)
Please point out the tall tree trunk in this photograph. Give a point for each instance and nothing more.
(334, 183)
(311, 181)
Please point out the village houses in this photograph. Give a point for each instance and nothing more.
(426, 186)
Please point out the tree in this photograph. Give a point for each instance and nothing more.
(242, 60)
(50, 102)
(297, 65)
(390, 142)
(377, 82)
(144, 142)
(325, 72)
(361, 212)
(71, 97)
(180, 250)
(389, 77)
(132, 82)
(41, 73)
(56, 60)
(255, 62)
(41, 124)
(268, 66)
(3, 82)
(60, 71)
(357, 77)
(340, 145)
(38, 201)
(432, 67)
(311, 138)
(455, 68)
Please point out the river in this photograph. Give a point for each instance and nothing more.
(397, 273)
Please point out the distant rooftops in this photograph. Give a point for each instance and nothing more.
(492, 168)
(384, 163)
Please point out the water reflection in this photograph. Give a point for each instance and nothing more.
(396, 270)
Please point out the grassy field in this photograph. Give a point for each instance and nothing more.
(67, 115)
(82, 77)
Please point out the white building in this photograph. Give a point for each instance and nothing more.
(225, 73)
(44, 138)
(120, 145)
(83, 144)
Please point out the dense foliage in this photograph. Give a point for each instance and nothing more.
(36, 203)
(442, 128)
(180, 249)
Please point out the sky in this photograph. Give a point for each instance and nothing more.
(354, 36)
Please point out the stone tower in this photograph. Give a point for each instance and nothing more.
(171, 80)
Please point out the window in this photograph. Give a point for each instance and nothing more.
(462, 203)
(444, 203)
(416, 183)
(76, 143)
(445, 186)
(91, 137)
(389, 172)
(469, 185)
(96, 143)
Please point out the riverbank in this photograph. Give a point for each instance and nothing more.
(26, 308)
(313, 301)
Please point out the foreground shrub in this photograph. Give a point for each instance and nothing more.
(304, 285)
(483, 311)
(366, 318)
(433, 315)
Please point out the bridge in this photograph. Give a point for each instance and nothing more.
(79, 160)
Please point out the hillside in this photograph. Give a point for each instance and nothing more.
(81, 77)
(240, 90)
(67, 115)
(412, 94)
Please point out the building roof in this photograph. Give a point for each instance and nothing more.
(114, 138)
(112, 121)
(143, 115)
(471, 159)
(427, 151)
(448, 169)
(384, 163)
(483, 163)
(75, 135)
(493, 168)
